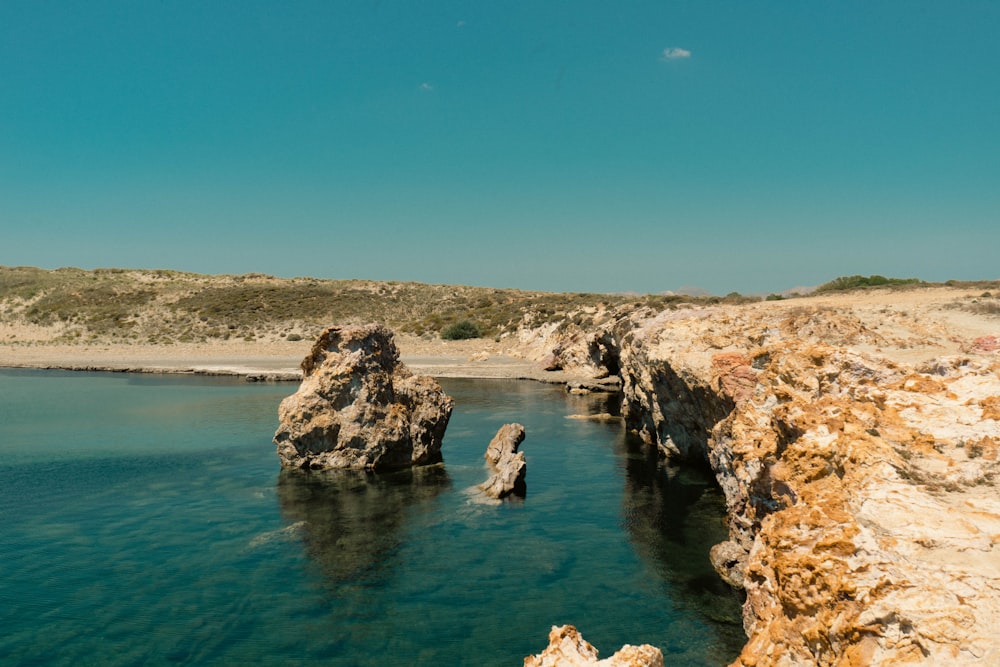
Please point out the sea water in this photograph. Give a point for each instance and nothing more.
(144, 520)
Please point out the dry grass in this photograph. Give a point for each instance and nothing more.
(158, 306)
(987, 303)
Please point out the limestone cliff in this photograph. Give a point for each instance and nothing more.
(858, 463)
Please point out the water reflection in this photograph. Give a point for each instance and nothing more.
(673, 515)
(352, 520)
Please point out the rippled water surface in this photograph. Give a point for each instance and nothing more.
(144, 520)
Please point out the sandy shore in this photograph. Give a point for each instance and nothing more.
(278, 361)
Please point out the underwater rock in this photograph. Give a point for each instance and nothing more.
(508, 464)
(359, 407)
(350, 522)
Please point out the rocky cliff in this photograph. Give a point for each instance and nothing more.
(359, 407)
(858, 455)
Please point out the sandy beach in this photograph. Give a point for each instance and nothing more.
(275, 361)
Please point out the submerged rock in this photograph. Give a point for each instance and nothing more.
(358, 407)
(349, 522)
(568, 648)
(508, 464)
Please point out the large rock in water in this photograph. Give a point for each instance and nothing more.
(359, 407)
(509, 466)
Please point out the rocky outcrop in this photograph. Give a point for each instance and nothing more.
(508, 464)
(863, 509)
(358, 407)
(567, 648)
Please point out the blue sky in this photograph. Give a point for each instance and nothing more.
(567, 146)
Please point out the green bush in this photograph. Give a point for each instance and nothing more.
(461, 331)
(856, 282)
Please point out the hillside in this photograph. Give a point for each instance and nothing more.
(132, 319)
(163, 307)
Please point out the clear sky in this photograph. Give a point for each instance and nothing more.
(576, 145)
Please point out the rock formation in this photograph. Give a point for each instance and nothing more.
(359, 407)
(864, 526)
(859, 466)
(567, 648)
(509, 466)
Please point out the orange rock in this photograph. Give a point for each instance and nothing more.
(985, 344)
(735, 377)
(991, 407)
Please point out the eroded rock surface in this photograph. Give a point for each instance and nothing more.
(863, 507)
(856, 441)
(568, 648)
(508, 464)
(358, 407)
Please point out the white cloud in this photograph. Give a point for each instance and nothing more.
(426, 86)
(675, 53)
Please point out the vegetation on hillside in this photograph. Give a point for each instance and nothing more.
(160, 306)
(463, 330)
(844, 283)
(987, 303)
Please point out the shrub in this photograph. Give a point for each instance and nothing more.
(462, 330)
(856, 282)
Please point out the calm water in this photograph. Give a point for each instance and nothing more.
(144, 520)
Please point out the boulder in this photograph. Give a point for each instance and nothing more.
(509, 466)
(729, 560)
(568, 648)
(550, 362)
(358, 407)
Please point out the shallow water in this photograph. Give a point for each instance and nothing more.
(145, 521)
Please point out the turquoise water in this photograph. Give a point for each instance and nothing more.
(144, 520)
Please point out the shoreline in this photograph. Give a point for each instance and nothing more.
(279, 366)
(826, 421)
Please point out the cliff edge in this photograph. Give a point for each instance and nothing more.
(856, 440)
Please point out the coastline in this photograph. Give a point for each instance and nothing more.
(826, 420)
(272, 362)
